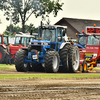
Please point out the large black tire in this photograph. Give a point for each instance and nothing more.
(64, 58)
(73, 59)
(84, 67)
(37, 67)
(2, 54)
(19, 61)
(52, 62)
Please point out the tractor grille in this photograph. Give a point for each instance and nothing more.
(53, 46)
(38, 48)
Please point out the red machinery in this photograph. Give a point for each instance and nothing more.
(21, 41)
(3, 43)
(90, 56)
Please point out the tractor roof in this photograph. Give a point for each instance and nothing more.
(53, 26)
(24, 35)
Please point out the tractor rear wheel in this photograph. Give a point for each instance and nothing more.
(52, 62)
(73, 59)
(84, 66)
(19, 61)
(2, 54)
(64, 59)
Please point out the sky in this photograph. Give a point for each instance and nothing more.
(83, 9)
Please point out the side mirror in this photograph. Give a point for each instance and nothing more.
(29, 39)
(31, 32)
(19, 41)
(64, 31)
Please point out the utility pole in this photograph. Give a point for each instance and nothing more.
(10, 23)
(9, 18)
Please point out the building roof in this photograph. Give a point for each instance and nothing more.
(77, 24)
(79, 19)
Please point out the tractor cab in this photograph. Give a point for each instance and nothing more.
(81, 40)
(3, 39)
(53, 35)
(50, 33)
(23, 40)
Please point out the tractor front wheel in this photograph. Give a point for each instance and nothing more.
(20, 65)
(52, 62)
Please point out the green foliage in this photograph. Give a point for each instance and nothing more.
(12, 29)
(4, 67)
(45, 75)
(51, 6)
(2, 4)
(21, 11)
(30, 27)
(17, 29)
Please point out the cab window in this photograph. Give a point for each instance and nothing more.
(59, 38)
(0, 40)
(17, 40)
(93, 40)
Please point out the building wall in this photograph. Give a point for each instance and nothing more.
(70, 32)
(76, 25)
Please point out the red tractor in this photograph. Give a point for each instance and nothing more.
(3, 43)
(90, 56)
(21, 41)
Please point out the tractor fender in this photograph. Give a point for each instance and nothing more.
(63, 44)
(4, 46)
(26, 49)
(23, 49)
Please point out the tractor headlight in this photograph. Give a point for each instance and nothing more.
(94, 55)
(38, 52)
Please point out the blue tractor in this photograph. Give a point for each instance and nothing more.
(50, 52)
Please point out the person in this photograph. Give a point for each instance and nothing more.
(50, 37)
(8, 58)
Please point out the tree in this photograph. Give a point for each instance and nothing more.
(17, 29)
(30, 27)
(14, 29)
(2, 4)
(21, 10)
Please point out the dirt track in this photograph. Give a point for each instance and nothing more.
(49, 89)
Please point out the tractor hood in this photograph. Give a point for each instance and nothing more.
(40, 42)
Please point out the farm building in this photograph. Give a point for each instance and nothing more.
(75, 25)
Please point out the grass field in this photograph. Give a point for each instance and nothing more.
(44, 75)
(4, 66)
(48, 76)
